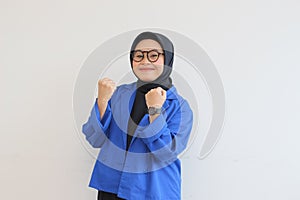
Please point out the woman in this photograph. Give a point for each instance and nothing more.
(140, 127)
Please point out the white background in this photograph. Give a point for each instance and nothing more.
(254, 44)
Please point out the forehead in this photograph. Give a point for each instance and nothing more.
(147, 44)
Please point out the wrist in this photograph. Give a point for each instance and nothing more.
(154, 110)
(153, 117)
(102, 101)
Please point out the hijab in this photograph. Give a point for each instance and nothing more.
(139, 108)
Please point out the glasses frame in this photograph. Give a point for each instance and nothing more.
(143, 52)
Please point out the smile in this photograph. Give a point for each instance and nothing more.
(147, 69)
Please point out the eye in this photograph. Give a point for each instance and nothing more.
(138, 55)
(153, 53)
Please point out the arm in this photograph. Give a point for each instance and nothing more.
(166, 140)
(96, 128)
(102, 105)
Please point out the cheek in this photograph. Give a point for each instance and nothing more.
(160, 61)
(160, 65)
(134, 64)
(160, 70)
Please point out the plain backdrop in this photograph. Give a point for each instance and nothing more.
(254, 45)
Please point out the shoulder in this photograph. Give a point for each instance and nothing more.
(174, 97)
(173, 94)
(124, 88)
(129, 86)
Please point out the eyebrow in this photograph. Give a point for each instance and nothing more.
(148, 50)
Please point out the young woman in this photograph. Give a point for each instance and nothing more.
(140, 127)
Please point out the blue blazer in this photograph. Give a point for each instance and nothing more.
(150, 169)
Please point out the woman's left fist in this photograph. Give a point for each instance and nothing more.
(155, 97)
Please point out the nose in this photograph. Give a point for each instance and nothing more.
(145, 59)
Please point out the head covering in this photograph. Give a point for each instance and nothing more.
(139, 108)
(168, 49)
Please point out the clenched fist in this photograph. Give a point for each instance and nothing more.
(155, 97)
(106, 88)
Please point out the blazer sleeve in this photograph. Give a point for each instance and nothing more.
(96, 130)
(166, 140)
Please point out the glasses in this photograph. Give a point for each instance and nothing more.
(152, 55)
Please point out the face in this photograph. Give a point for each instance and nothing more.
(146, 70)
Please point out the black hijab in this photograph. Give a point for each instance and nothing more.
(139, 108)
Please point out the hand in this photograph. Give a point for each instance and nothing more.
(106, 88)
(155, 97)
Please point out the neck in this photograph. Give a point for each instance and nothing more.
(144, 87)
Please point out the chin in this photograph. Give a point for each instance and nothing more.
(147, 80)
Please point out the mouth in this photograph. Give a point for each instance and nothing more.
(146, 69)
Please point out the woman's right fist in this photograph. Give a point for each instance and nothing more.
(106, 88)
